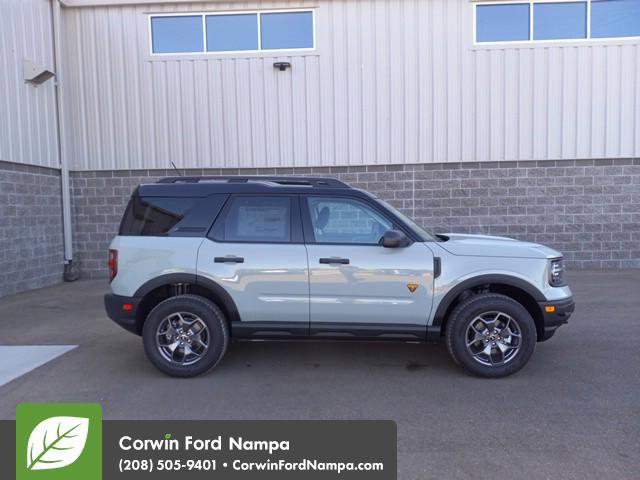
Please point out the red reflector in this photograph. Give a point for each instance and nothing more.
(127, 307)
(113, 263)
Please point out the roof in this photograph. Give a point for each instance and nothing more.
(209, 185)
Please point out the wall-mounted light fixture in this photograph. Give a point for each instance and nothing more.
(35, 74)
(282, 66)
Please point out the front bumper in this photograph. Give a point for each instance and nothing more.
(555, 314)
(123, 311)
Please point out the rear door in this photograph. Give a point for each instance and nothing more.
(356, 285)
(255, 251)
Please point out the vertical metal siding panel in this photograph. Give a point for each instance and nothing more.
(353, 65)
(313, 121)
(439, 83)
(368, 81)
(325, 39)
(598, 97)
(188, 107)
(483, 107)
(584, 103)
(425, 75)
(540, 103)
(216, 115)
(612, 99)
(243, 96)
(554, 101)
(229, 108)
(383, 126)
(525, 104)
(285, 115)
(454, 58)
(411, 61)
(496, 106)
(569, 102)
(258, 120)
(298, 111)
(637, 102)
(201, 142)
(340, 76)
(468, 86)
(511, 91)
(272, 124)
(396, 81)
(627, 100)
(393, 81)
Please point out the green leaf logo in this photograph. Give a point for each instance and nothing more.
(57, 442)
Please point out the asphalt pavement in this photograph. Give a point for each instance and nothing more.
(572, 412)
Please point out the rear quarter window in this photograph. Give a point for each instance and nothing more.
(154, 216)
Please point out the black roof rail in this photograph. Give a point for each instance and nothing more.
(282, 180)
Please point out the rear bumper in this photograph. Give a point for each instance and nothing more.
(123, 311)
(562, 310)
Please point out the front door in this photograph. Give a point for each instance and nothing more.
(256, 253)
(356, 286)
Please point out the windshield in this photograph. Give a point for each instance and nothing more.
(426, 236)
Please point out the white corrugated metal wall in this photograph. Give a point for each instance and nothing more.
(28, 130)
(392, 81)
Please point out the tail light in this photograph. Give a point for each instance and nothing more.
(113, 264)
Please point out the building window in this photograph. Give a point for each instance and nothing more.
(615, 18)
(287, 30)
(526, 21)
(177, 34)
(554, 21)
(502, 23)
(232, 32)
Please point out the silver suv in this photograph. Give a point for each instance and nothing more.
(200, 261)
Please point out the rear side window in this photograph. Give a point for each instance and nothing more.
(154, 216)
(259, 219)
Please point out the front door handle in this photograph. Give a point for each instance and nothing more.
(341, 261)
(229, 260)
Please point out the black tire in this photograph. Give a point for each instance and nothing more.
(467, 311)
(208, 312)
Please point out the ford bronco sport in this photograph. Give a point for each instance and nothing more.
(201, 261)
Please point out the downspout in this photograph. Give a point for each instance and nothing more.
(70, 270)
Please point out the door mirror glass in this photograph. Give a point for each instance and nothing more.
(395, 239)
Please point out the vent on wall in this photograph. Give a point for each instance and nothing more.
(35, 74)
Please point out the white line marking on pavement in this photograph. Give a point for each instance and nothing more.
(16, 360)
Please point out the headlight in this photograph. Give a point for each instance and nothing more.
(556, 272)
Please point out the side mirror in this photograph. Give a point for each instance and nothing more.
(395, 239)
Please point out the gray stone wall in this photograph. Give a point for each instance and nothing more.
(31, 240)
(588, 209)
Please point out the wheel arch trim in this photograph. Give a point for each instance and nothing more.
(191, 278)
(450, 297)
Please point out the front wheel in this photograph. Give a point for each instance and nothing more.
(491, 335)
(185, 335)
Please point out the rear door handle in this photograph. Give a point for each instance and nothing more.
(341, 261)
(229, 259)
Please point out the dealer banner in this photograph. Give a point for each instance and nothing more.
(69, 441)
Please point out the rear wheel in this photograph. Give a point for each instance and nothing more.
(491, 335)
(185, 335)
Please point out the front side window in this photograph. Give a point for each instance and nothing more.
(345, 221)
(255, 219)
(561, 20)
(232, 32)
